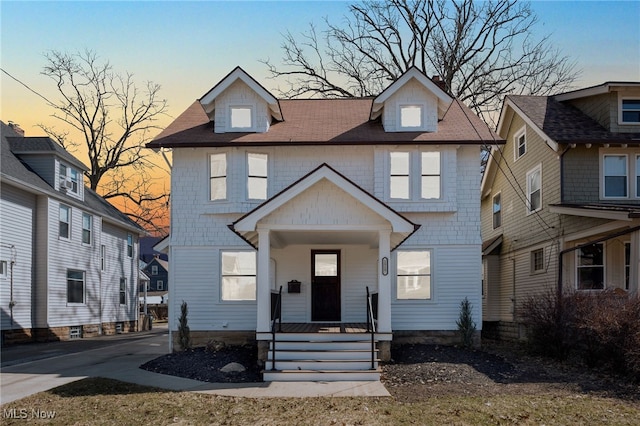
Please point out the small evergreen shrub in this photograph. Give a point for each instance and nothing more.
(184, 334)
(466, 324)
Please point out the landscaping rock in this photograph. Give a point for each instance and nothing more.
(233, 367)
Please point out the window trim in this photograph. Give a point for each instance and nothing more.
(67, 173)
(129, 245)
(154, 270)
(122, 291)
(533, 253)
(250, 176)
(431, 274)
(222, 276)
(529, 206)
(421, 106)
(159, 285)
(224, 177)
(69, 216)
(621, 110)
(423, 174)
(522, 132)
(84, 287)
(493, 212)
(251, 128)
(604, 269)
(4, 274)
(89, 230)
(414, 177)
(603, 189)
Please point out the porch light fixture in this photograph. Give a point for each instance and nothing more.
(385, 266)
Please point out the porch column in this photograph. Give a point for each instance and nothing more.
(384, 282)
(263, 292)
(634, 263)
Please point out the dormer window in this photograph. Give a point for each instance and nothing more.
(630, 111)
(241, 118)
(411, 117)
(69, 179)
(519, 144)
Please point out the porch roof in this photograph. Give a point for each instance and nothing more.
(376, 216)
(598, 210)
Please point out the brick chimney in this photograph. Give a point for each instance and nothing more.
(437, 80)
(16, 128)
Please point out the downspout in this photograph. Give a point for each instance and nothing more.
(587, 244)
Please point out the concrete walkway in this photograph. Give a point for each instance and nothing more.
(32, 368)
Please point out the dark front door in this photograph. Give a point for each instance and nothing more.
(325, 285)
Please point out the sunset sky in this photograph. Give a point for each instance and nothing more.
(187, 47)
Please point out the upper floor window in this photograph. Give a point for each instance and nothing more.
(411, 116)
(430, 175)
(241, 118)
(638, 176)
(64, 222)
(69, 179)
(627, 264)
(520, 144)
(160, 285)
(615, 176)
(399, 181)
(238, 275)
(3, 269)
(590, 267)
(218, 176)
(630, 111)
(257, 165)
(497, 211)
(87, 222)
(75, 286)
(413, 177)
(129, 245)
(103, 260)
(534, 189)
(413, 274)
(154, 269)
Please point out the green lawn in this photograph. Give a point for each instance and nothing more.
(98, 401)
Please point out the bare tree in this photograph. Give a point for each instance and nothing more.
(480, 50)
(114, 119)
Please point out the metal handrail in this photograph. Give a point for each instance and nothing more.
(276, 314)
(371, 328)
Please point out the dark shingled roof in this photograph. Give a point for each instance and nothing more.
(42, 145)
(325, 122)
(565, 123)
(14, 169)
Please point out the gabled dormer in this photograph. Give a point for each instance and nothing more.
(413, 103)
(239, 104)
(61, 170)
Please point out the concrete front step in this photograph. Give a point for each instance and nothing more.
(321, 375)
(342, 354)
(322, 364)
(316, 337)
(321, 345)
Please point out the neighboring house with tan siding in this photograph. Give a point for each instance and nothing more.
(326, 198)
(68, 258)
(566, 181)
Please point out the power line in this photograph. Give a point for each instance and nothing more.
(26, 86)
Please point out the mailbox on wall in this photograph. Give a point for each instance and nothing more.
(293, 286)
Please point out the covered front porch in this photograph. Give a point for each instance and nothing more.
(327, 243)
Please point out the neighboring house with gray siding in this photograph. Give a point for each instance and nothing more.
(566, 181)
(324, 197)
(68, 258)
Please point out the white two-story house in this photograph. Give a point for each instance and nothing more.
(68, 258)
(325, 198)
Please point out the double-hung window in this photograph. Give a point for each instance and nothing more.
(519, 144)
(75, 286)
(87, 226)
(497, 211)
(3, 269)
(627, 264)
(160, 285)
(534, 189)
(590, 267)
(615, 176)
(69, 178)
(218, 185)
(154, 269)
(103, 260)
(257, 165)
(129, 245)
(123, 291)
(238, 278)
(537, 260)
(415, 175)
(64, 222)
(413, 274)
